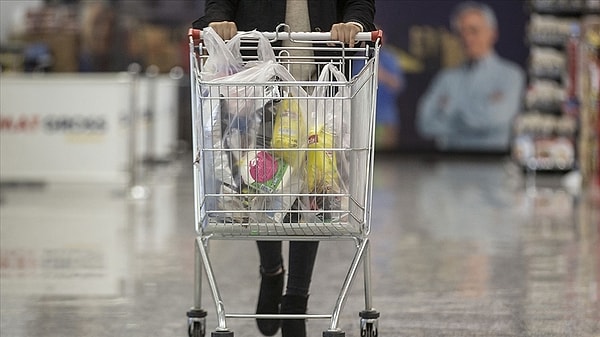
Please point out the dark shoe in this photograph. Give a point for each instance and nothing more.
(271, 289)
(293, 304)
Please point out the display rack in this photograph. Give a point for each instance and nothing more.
(589, 87)
(547, 134)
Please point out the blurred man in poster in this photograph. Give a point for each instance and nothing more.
(471, 107)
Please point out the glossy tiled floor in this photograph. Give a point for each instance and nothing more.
(460, 248)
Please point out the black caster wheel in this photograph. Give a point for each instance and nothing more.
(334, 334)
(369, 329)
(369, 323)
(221, 334)
(197, 328)
(196, 323)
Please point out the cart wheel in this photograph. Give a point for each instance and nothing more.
(221, 334)
(196, 323)
(368, 329)
(197, 328)
(369, 323)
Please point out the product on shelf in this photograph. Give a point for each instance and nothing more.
(547, 62)
(550, 30)
(545, 95)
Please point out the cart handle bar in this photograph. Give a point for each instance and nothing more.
(196, 35)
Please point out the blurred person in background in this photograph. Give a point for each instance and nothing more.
(471, 107)
(344, 18)
(104, 42)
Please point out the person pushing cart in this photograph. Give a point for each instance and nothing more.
(283, 146)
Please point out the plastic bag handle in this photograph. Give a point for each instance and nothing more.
(225, 57)
(225, 60)
(328, 69)
(265, 50)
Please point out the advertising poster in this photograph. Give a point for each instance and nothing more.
(420, 37)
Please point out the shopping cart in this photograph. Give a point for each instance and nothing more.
(284, 158)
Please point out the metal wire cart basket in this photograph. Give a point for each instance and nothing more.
(280, 156)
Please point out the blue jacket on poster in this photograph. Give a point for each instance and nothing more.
(387, 94)
(471, 107)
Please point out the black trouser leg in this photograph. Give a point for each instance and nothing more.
(271, 285)
(302, 261)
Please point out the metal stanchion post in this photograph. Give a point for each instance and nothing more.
(176, 74)
(135, 189)
(151, 74)
(530, 177)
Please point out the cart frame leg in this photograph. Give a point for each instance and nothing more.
(202, 244)
(359, 255)
(369, 318)
(197, 276)
(196, 315)
(367, 276)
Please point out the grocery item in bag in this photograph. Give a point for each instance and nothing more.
(321, 165)
(322, 175)
(266, 174)
(263, 172)
(289, 131)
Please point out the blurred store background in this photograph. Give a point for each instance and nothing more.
(96, 36)
(554, 42)
(77, 74)
(98, 93)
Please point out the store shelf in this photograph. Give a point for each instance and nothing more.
(549, 135)
(547, 41)
(562, 7)
(589, 137)
(545, 153)
(547, 165)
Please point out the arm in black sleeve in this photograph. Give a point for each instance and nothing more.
(215, 11)
(361, 11)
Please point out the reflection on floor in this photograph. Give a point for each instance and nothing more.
(460, 248)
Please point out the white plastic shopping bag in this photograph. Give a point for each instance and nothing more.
(236, 95)
(329, 131)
